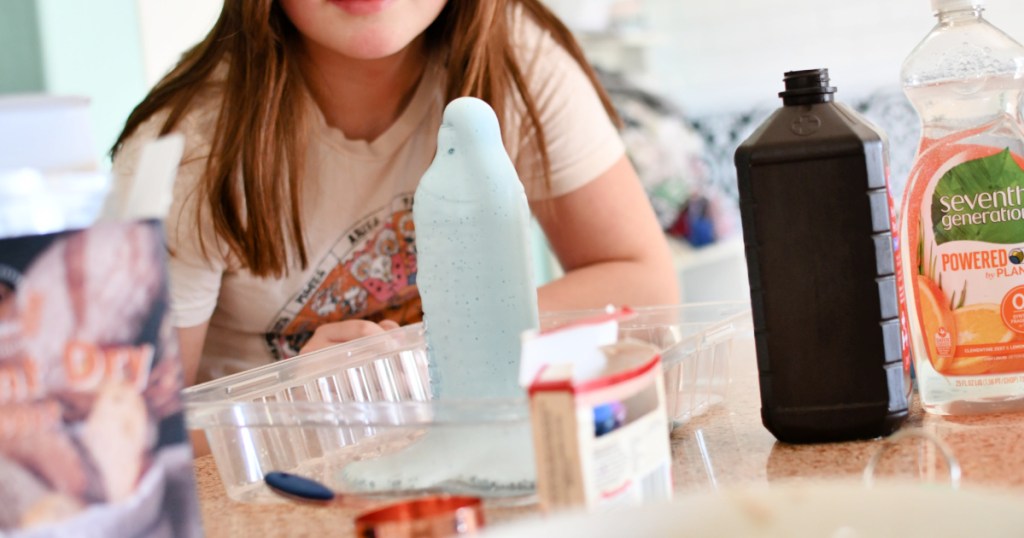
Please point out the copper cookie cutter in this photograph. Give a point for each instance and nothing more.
(438, 516)
(426, 517)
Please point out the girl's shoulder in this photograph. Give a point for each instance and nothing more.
(534, 44)
(196, 124)
(525, 33)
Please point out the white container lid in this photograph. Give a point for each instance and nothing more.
(954, 5)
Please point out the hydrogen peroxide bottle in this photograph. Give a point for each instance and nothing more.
(963, 214)
(473, 256)
(817, 227)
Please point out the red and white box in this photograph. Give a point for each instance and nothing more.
(597, 410)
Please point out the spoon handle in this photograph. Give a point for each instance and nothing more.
(299, 487)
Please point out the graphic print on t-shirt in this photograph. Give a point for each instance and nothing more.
(370, 273)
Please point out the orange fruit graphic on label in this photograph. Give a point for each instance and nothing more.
(940, 333)
(980, 324)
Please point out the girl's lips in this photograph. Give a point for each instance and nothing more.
(361, 7)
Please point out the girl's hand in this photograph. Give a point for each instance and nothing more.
(337, 332)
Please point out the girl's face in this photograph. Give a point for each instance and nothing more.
(362, 29)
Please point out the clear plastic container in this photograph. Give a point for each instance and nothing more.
(317, 414)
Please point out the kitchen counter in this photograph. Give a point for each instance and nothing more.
(725, 447)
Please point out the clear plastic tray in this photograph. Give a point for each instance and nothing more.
(317, 414)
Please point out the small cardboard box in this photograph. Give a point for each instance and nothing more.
(597, 409)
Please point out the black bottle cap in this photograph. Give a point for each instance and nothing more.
(807, 87)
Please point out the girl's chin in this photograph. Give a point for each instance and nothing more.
(371, 49)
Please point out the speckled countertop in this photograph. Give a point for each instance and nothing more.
(725, 447)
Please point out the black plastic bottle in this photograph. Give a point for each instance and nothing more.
(818, 231)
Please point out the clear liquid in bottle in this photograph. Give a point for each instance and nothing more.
(962, 215)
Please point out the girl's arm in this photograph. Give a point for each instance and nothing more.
(190, 348)
(609, 243)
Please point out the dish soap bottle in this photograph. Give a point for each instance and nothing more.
(473, 256)
(963, 214)
(817, 227)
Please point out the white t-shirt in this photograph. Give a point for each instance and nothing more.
(356, 203)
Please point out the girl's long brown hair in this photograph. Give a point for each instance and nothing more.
(252, 180)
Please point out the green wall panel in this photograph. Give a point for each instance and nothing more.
(21, 61)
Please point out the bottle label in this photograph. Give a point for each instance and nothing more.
(901, 289)
(966, 233)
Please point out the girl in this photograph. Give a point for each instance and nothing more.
(308, 124)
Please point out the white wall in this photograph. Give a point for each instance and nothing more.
(723, 55)
(170, 27)
(718, 54)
